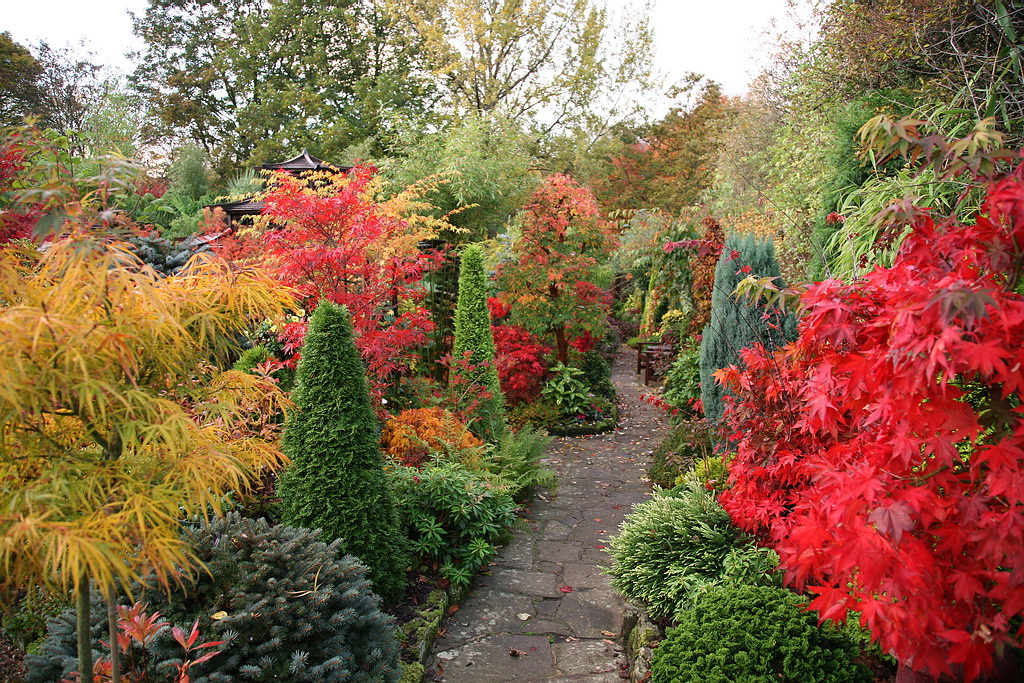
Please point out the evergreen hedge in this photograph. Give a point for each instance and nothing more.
(336, 481)
(737, 324)
(473, 335)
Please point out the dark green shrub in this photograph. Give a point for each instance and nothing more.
(737, 324)
(293, 609)
(679, 544)
(250, 358)
(597, 374)
(540, 414)
(336, 481)
(688, 442)
(453, 516)
(474, 341)
(739, 633)
(681, 388)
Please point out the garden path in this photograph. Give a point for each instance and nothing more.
(545, 611)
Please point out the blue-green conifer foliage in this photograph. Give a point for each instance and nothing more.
(738, 323)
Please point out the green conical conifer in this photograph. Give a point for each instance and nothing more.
(737, 324)
(473, 335)
(336, 481)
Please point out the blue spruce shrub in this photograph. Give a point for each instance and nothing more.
(296, 610)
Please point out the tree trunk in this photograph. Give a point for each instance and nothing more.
(84, 634)
(115, 651)
(1005, 671)
(561, 345)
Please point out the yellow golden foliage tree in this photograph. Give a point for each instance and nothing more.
(114, 422)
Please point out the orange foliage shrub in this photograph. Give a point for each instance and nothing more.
(412, 435)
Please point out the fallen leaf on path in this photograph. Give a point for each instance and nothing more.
(517, 653)
(609, 634)
(566, 589)
(523, 616)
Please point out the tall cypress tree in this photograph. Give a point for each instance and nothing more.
(336, 481)
(737, 324)
(473, 335)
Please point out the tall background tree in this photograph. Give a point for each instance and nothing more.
(557, 64)
(251, 81)
(20, 94)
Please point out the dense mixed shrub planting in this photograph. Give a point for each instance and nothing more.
(453, 517)
(287, 606)
(882, 451)
(688, 442)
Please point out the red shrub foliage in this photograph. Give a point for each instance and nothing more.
(15, 224)
(882, 453)
(520, 360)
(336, 242)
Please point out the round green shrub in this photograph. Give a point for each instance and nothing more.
(679, 544)
(295, 609)
(740, 633)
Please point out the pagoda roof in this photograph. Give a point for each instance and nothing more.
(303, 162)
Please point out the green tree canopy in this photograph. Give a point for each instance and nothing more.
(20, 94)
(253, 81)
(555, 62)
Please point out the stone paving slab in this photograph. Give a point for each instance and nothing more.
(545, 611)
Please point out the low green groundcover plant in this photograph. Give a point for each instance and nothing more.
(289, 606)
(739, 633)
(680, 544)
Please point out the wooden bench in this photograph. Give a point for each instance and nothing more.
(646, 355)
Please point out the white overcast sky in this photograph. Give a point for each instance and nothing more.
(721, 39)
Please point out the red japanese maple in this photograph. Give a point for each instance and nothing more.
(882, 453)
(15, 222)
(335, 242)
(550, 281)
(520, 361)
